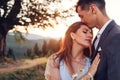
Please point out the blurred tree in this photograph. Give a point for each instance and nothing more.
(10, 54)
(44, 48)
(52, 46)
(30, 53)
(37, 50)
(41, 13)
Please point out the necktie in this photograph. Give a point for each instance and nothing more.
(97, 40)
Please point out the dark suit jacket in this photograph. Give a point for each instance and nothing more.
(109, 66)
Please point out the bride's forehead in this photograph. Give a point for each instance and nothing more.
(85, 27)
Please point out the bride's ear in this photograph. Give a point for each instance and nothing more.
(72, 35)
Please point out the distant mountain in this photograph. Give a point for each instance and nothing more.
(20, 48)
(28, 36)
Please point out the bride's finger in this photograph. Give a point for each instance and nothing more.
(96, 60)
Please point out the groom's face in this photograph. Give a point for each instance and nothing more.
(87, 16)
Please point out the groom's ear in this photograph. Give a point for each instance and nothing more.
(93, 8)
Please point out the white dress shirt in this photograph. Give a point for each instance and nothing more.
(100, 32)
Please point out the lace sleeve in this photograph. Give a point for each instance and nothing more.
(52, 71)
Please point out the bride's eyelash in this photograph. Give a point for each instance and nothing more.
(84, 31)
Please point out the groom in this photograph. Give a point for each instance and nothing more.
(93, 13)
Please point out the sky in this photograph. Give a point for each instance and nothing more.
(113, 9)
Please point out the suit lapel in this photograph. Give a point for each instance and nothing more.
(102, 38)
(105, 33)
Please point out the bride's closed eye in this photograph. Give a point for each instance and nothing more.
(84, 31)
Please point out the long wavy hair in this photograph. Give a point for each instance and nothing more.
(65, 51)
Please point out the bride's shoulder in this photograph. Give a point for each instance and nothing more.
(53, 60)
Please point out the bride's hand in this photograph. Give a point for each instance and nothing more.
(92, 69)
(94, 65)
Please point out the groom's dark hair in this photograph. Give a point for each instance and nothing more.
(86, 3)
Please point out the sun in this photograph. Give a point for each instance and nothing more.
(59, 29)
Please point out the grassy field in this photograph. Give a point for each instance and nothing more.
(34, 73)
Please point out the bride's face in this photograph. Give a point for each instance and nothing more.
(83, 36)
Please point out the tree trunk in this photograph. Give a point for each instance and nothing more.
(3, 33)
(2, 48)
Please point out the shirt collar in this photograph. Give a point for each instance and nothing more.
(104, 26)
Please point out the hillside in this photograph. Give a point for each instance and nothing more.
(20, 48)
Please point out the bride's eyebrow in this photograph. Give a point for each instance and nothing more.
(86, 29)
